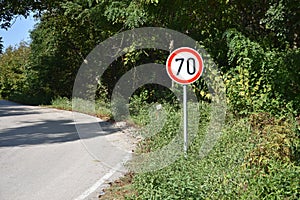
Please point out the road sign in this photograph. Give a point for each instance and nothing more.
(184, 65)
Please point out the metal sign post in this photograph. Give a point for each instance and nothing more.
(184, 66)
(185, 121)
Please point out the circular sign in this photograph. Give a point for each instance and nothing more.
(184, 65)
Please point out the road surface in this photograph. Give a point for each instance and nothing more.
(42, 157)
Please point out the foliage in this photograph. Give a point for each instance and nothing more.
(1, 45)
(282, 20)
(276, 139)
(62, 103)
(130, 13)
(214, 177)
(52, 65)
(273, 163)
(281, 182)
(14, 64)
(138, 108)
(256, 46)
(251, 160)
(101, 110)
(259, 78)
(12, 8)
(60, 43)
(253, 56)
(256, 157)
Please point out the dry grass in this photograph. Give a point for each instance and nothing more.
(119, 189)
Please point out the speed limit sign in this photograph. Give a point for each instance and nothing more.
(184, 65)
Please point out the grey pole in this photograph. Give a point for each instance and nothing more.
(185, 121)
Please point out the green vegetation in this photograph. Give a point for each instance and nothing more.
(254, 43)
(102, 108)
(256, 157)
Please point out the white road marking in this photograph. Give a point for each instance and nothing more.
(94, 187)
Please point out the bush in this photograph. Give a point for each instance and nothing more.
(255, 158)
(215, 176)
(261, 80)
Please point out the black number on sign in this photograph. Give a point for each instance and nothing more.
(188, 65)
(181, 59)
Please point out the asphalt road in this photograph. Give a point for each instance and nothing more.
(42, 157)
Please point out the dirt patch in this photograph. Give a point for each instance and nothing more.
(119, 189)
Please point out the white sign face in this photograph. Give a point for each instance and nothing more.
(184, 65)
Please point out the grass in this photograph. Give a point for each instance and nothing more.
(101, 108)
(213, 177)
(256, 157)
(228, 171)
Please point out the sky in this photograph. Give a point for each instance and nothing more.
(18, 32)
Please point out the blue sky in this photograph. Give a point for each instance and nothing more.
(18, 32)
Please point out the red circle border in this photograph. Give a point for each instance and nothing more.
(180, 50)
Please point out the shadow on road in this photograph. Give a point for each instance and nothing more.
(35, 131)
(8, 109)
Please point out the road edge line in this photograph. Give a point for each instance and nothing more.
(96, 185)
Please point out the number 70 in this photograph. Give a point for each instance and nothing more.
(191, 69)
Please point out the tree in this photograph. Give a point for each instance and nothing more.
(14, 63)
(60, 43)
(69, 30)
(1, 45)
(9, 9)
